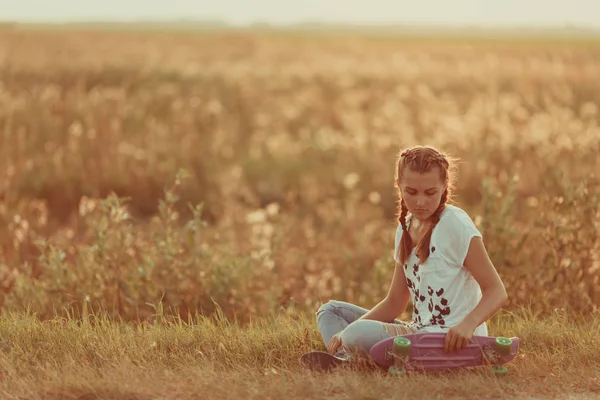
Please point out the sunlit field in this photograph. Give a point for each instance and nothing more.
(175, 206)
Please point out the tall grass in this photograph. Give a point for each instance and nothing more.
(253, 172)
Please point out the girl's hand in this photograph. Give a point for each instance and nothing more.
(334, 344)
(458, 337)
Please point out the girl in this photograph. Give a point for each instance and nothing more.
(441, 265)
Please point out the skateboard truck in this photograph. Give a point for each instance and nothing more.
(400, 352)
(495, 354)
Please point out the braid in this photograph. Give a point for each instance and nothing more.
(442, 161)
(405, 245)
(423, 246)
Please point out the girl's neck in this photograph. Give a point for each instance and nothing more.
(418, 223)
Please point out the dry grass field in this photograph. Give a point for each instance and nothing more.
(174, 206)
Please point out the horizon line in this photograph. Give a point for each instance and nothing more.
(216, 22)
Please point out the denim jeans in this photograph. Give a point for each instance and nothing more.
(337, 316)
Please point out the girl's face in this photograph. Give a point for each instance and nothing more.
(422, 192)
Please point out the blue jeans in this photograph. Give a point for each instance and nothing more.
(335, 316)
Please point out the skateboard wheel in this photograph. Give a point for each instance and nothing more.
(503, 346)
(401, 346)
(396, 371)
(499, 370)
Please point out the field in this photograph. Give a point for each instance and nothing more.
(174, 206)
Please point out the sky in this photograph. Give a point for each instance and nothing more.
(545, 13)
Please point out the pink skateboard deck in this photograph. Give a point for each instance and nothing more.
(426, 351)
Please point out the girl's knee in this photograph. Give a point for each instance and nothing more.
(341, 310)
(331, 305)
(328, 307)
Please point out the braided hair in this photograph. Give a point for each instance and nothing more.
(421, 159)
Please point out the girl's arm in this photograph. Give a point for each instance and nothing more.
(395, 301)
(494, 295)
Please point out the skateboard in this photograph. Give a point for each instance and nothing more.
(425, 351)
(322, 361)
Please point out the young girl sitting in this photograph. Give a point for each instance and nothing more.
(441, 265)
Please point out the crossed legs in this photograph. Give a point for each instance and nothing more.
(335, 316)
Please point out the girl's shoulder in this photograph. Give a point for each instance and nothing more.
(453, 233)
(454, 217)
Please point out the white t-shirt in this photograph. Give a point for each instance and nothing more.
(442, 290)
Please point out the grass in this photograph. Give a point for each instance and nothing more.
(175, 205)
(99, 358)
